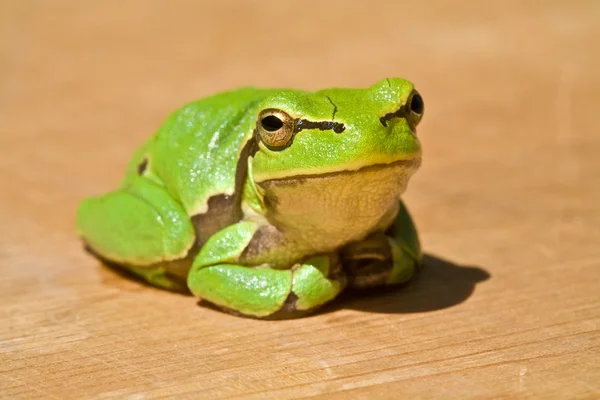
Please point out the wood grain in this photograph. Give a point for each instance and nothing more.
(507, 200)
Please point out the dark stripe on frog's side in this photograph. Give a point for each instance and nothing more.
(224, 210)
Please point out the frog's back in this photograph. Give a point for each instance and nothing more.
(196, 150)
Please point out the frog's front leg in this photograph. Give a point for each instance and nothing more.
(218, 276)
(384, 258)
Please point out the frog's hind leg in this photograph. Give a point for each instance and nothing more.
(384, 258)
(140, 228)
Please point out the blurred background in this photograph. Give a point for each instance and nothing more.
(83, 83)
(510, 183)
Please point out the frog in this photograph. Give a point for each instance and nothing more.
(268, 203)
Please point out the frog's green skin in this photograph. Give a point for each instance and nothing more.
(267, 228)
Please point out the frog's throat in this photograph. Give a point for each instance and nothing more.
(324, 211)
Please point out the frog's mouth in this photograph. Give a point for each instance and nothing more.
(401, 166)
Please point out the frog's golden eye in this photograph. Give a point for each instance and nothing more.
(275, 128)
(415, 108)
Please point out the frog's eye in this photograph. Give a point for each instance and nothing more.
(275, 128)
(415, 108)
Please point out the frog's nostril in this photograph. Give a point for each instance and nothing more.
(416, 104)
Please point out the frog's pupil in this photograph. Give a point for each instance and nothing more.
(271, 123)
(416, 104)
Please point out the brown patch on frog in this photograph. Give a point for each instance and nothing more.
(368, 273)
(141, 168)
(223, 210)
(368, 262)
(266, 238)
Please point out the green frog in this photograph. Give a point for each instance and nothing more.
(267, 203)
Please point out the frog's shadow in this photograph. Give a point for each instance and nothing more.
(439, 284)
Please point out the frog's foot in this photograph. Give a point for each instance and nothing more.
(267, 293)
(378, 260)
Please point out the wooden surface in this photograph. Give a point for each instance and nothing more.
(507, 200)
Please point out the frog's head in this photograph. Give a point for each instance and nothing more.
(338, 154)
